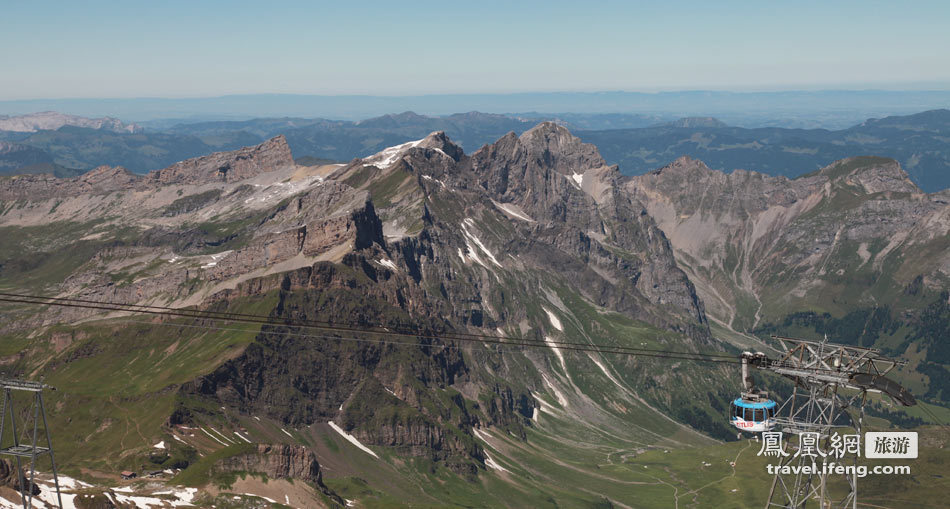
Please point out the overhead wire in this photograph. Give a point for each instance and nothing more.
(349, 328)
(934, 417)
(344, 326)
(339, 330)
(327, 326)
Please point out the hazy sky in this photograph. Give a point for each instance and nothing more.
(211, 48)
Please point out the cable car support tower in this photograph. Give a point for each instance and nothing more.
(30, 448)
(831, 381)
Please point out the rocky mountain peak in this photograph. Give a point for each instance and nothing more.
(440, 141)
(106, 176)
(565, 153)
(272, 155)
(684, 165)
(547, 163)
(873, 174)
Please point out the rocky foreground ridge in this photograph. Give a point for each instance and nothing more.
(228, 167)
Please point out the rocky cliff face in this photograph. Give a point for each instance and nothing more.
(272, 155)
(303, 382)
(101, 180)
(762, 246)
(279, 461)
(572, 196)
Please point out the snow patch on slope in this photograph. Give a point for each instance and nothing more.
(557, 394)
(490, 463)
(557, 351)
(513, 210)
(270, 194)
(579, 178)
(47, 495)
(470, 239)
(435, 179)
(215, 258)
(351, 439)
(222, 435)
(543, 406)
(385, 262)
(604, 369)
(385, 158)
(554, 320)
(213, 437)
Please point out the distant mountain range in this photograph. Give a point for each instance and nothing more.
(637, 143)
(831, 109)
(921, 142)
(51, 120)
(85, 148)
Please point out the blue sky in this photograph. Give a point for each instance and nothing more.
(212, 48)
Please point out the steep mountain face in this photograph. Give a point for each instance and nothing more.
(854, 250)
(272, 155)
(51, 120)
(489, 232)
(552, 176)
(544, 185)
(533, 236)
(783, 243)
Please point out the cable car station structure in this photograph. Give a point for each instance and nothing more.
(832, 382)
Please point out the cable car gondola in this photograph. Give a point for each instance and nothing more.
(753, 411)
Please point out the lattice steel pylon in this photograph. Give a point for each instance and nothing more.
(18, 448)
(820, 371)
